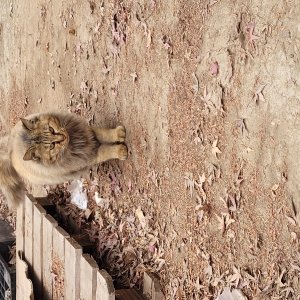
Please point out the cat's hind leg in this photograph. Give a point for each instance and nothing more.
(115, 135)
(107, 152)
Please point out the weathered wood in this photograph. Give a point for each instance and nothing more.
(128, 294)
(20, 228)
(152, 287)
(105, 286)
(58, 262)
(28, 246)
(38, 214)
(19, 249)
(88, 276)
(48, 224)
(59, 237)
(43, 201)
(24, 286)
(157, 293)
(147, 284)
(73, 253)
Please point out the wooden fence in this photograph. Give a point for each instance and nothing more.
(58, 266)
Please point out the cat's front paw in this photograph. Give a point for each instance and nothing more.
(120, 134)
(122, 152)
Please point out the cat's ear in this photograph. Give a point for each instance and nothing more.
(28, 124)
(30, 154)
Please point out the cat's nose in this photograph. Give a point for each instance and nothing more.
(64, 134)
(66, 138)
(59, 138)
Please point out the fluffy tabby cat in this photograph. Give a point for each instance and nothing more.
(54, 148)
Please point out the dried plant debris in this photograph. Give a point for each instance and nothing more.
(214, 173)
(131, 239)
(195, 87)
(294, 218)
(213, 101)
(241, 124)
(215, 149)
(258, 95)
(197, 135)
(6, 214)
(224, 221)
(119, 24)
(57, 272)
(127, 239)
(193, 185)
(214, 68)
(235, 294)
(251, 37)
(82, 102)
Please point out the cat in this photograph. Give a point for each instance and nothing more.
(52, 148)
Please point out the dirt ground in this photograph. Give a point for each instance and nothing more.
(209, 94)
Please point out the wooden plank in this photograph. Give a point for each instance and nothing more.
(43, 201)
(24, 284)
(105, 286)
(157, 293)
(28, 243)
(88, 275)
(38, 214)
(58, 262)
(20, 228)
(48, 224)
(152, 287)
(73, 253)
(19, 248)
(59, 237)
(147, 284)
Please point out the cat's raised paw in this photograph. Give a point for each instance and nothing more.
(122, 152)
(120, 133)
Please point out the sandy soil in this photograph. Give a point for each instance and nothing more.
(209, 94)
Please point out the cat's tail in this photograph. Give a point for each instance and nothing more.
(11, 183)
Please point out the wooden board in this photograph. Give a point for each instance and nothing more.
(24, 284)
(73, 252)
(28, 234)
(48, 224)
(38, 215)
(105, 286)
(88, 276)
(59, 237)
(19, 249)
(20, 228)
(151, 287)
(58, 262)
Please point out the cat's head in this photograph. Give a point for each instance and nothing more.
(46, 139)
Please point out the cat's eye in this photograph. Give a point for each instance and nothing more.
(52, 146)
(51, 130)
